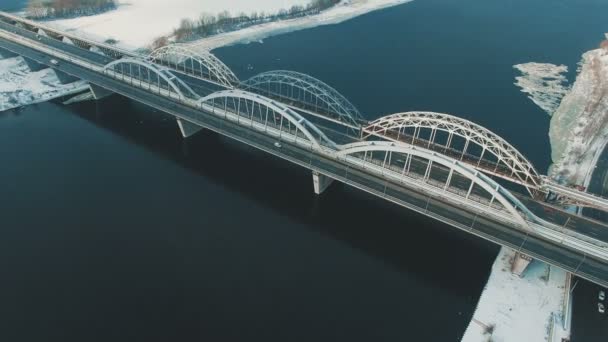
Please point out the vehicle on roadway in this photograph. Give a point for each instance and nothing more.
(54, 61)
(601, 308)
(278, 145)
(601, 296)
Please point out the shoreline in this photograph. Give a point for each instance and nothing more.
(579, 127)
(118, 24)
(335, 15)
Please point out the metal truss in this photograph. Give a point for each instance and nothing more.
(423, 128)
(410, 163)
(198, 64)
(148, 74)
(268, 114)
(305, 92)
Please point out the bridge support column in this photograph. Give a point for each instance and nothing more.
(64, 78)
(96, 50)
(5, 54)
(188, 129)
(520, 263)
(42, 32)
(33, 65)
(67, 41)
(320, 182)
(99, 92)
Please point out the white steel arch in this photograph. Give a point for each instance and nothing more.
(517, 209)
(194, 62)
(179, 86)
(520, 167)
(312, 132)
(300, 87)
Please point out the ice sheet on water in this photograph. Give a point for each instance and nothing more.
(544, 83)
(19, 86)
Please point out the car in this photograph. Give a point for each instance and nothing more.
(278, 145)
(54, 62)
(601, 296)
(601, 308)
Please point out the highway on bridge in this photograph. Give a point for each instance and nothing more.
(442, 207)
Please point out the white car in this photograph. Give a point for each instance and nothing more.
(278, 145)
(601, 296)
(601, 308)
(54, 61)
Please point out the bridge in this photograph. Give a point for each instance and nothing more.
(436, 164)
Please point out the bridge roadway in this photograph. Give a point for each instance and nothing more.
(410, 197)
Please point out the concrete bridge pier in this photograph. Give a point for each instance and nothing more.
(65, 78)
(520, 263)
(320, 182)
(33, 65)
(188, 129)
(5, 54)
(99, 92)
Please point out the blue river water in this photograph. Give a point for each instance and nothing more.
(13, 5)
(114, 228)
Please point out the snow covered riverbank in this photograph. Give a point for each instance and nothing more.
(19, 86)
(340, 13)
(136, 23)
(520, 309)
(579, 122)
(579, 127)
(531, 308)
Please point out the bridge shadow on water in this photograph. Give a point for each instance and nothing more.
(406, 241)
(141, 233)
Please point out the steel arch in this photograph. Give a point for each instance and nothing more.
(487, 140)
(312, 132)
(180, 54)
(319, 91)
(509, 202)
(173, 81)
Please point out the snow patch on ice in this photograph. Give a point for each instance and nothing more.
(519, 309)
(19, 86)
(544, 83)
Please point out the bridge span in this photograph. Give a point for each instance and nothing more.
(436, 164)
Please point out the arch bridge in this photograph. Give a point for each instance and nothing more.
(266, 114)
(421, 167)
(306, 93)
(136, 71)
(459, 139)
(204, 65)
(433, 163)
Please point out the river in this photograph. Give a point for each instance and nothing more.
(114, 228)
